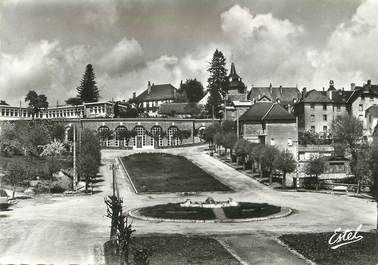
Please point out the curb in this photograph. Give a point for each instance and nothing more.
(285, 211)
(124, 170)
(293, 251)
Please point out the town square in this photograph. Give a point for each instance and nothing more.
(163, 132)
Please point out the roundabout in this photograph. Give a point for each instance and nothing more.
(210, 211)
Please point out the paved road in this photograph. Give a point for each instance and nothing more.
(71, 230)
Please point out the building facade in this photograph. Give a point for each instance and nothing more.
(316, 110)
(269, 123)
(156, 95)
(86, 110)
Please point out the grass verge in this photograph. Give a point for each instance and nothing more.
(315, 247)
(180, 249)
(159, 172)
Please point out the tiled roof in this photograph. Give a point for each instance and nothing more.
(372, 110)
(315, 96)
(266, 111)
(341, 96)
(286, 95)
(158, 92)
(365, 89)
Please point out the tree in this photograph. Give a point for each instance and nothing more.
(228, 126)
(9, 141)
(268, 155)
(88, 90)
(242, 149)
(218, 140)
(121, 231)
(55, 148)
(36, 102)
(217, 83)
(89, 158)
(348, 130)
(229, 141)
(193, 90)
(209, 133)
(286, 163)
(74, 101)
(116, 110)
(315, 167)
(182, 134)
(16, 174)
(374, 170)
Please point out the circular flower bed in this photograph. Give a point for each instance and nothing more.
(244, 210)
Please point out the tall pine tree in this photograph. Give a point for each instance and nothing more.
(217, 83)
(88, 90)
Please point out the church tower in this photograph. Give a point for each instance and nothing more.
(236, 85)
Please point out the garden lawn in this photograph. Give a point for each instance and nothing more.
(250, 210)
(158, 172)
(179, 249)
(174, 211)
(316, 248)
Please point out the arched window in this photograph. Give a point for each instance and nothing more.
(120, 136)
(172, 140)
(140, 137)
(156, 139)
(201, 131)
(103, 134)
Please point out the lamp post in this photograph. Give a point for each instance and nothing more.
(113, 167)
(74, 180)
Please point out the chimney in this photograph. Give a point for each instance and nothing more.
(352, 86)
(323, 89)
(270, 88)
(134, 95)
(149, 87)
(281, 90)
(304, 92)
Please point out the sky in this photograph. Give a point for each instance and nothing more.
(46, 44)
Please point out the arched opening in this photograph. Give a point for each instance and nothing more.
(104, 134)
(201, 131)
(68, 134)
(140, 136)
(120, 135)
(171, 134)
(156, 136)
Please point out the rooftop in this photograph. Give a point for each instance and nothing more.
(315, 96)
(286, 95)
(267, 111)
(158, 92)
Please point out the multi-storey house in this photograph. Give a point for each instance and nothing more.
(155, 95)
(361, 99)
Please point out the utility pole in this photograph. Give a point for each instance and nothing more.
(212, 107)
(115, 189)
(74, 158)
(237, 123)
